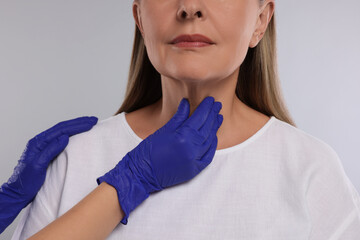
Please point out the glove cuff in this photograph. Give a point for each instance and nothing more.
(11, 204)
(130, 190)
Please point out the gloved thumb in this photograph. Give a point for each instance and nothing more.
(180, 116)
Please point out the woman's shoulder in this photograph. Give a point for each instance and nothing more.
(302, 154)
(106, 130)
(295, 139)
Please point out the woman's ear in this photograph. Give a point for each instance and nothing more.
(265, 14)
(137, 16)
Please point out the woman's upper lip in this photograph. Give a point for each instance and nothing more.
(191, 38)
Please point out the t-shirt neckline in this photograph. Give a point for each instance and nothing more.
(217, 152)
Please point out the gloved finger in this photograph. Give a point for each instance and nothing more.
(207, 143)
(70, 127)
(208, 156)
(68, 130)
(72, 122)
(205, 130)
(180, 116)
(54, 148)
(199, 116)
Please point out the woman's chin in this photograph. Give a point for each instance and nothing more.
(191, 73)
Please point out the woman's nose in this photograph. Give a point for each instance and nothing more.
(190, 10)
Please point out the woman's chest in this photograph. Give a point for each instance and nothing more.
(224, 201)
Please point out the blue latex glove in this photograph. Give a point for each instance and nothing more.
(29, 174)
(173, 154)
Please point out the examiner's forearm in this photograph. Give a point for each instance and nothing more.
(94, 217)
(10, 207)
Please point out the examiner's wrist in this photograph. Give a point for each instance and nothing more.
(111, 192)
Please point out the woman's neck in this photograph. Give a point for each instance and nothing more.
(240, 121)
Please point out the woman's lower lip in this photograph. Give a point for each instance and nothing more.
(191, 44)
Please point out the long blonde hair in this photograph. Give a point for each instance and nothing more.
(258, 83)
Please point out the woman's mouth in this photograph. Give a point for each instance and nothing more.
(191, 44)
(191, 41)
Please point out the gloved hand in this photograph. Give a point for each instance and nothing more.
(30, 172)
(173, 154)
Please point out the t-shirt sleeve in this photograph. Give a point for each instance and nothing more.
(333, 202)
(44, 208)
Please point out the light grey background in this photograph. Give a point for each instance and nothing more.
(65, 59)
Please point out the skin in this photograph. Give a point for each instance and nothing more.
(94, 217)
(190, 73)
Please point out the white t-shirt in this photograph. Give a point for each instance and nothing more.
(281, 183)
